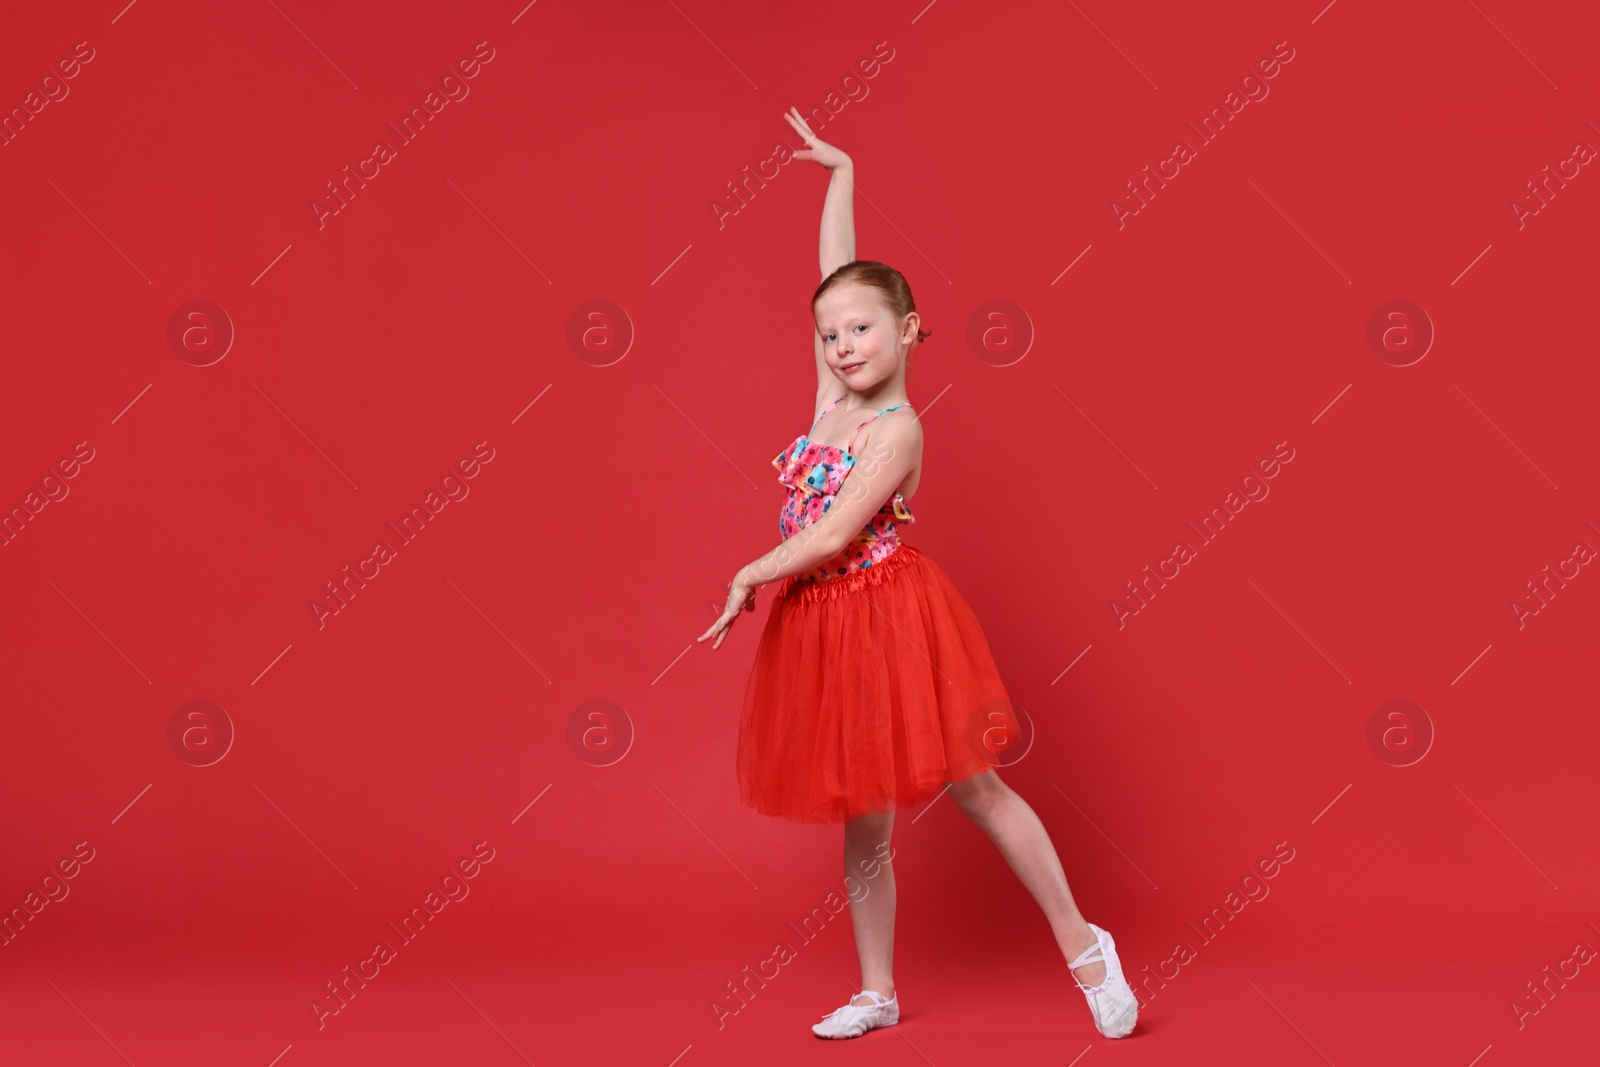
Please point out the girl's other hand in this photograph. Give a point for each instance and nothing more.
(816, 150)
(741, 597)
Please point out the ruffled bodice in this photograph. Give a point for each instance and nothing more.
(813, 475)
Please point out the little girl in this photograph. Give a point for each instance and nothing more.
(873, 685)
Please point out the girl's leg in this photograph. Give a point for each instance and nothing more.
(1021, 838)
(872, 899)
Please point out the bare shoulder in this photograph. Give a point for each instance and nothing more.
(900, 429)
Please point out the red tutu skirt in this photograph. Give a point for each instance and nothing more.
(869, 692)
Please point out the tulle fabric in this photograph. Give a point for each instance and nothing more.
(868, 693)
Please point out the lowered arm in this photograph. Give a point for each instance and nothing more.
(893, 449)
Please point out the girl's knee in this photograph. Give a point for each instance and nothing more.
(976, 796)
(873, 826)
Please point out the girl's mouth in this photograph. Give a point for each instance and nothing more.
(848, 367)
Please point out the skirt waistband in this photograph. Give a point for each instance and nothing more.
(810, 592)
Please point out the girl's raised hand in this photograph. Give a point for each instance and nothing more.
(816, 150)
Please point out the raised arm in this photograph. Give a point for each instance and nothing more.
(839, 219)
(837, 245)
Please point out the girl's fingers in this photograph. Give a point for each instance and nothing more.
(799, 124)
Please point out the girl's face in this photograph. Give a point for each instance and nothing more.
(860, 339)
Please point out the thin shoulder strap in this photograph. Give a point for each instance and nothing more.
(825, 410)
(851, 447)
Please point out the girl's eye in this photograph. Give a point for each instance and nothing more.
(861, 325)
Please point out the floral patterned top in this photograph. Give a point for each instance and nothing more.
(814, 474)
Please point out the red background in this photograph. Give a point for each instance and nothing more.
(374, 351)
